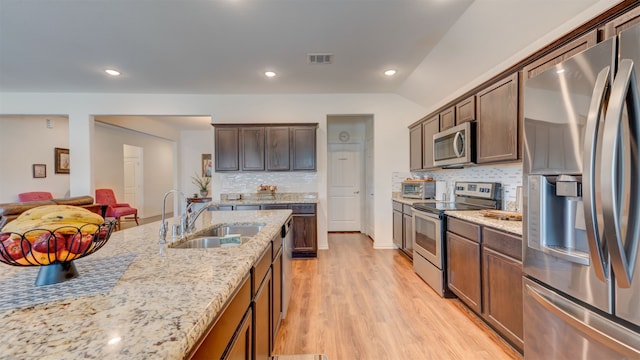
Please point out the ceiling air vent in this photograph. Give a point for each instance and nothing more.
(320, 58)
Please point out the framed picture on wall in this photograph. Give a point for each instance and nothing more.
(61, 161)
(206, 165)
(39, 171)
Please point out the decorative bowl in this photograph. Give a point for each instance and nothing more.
(54, 250)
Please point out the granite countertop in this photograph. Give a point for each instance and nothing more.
(511, 226)
(159, 307)
(277, 198)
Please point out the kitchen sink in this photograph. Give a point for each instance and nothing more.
(215, 237)
(207, 242)
(226, 229)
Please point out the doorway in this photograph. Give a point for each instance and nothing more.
(133, 182)
(350, 173)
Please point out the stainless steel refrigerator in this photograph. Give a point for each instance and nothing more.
(581, 179)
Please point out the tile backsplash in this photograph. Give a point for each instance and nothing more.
(248, 182)
(510, 176)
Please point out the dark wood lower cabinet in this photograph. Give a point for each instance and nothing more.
(502, 284)
(463, 259)
(502, 307)
(240, 348)
(305, 233)
(262, 320)
(224, 330)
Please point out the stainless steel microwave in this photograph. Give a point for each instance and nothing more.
(455, 147)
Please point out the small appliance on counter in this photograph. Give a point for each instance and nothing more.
(423, 189)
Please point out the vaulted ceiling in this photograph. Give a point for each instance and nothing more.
(225, 46)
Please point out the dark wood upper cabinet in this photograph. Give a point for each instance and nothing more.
(559, 55)
(621, 23)
(253, 147)
(227, 149)
(278, 148)
(429, 128)
(466, 110)
(252, 153)
(448, 118)
(303, 152)
(415, 148)
(497, 135)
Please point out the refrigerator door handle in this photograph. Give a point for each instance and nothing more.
(623, 254)
(611, 335)
(589, 164)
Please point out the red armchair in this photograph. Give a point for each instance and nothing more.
(115, 209)
(35, 196)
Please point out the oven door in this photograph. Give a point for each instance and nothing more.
(427, 236)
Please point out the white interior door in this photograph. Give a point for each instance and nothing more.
(344, 195)
(133, 192)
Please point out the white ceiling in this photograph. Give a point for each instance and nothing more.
(224, 46)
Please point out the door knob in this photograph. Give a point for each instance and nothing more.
(356, 192)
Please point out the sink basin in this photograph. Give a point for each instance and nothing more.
(214, 237)
(226, 229)
(206, 242)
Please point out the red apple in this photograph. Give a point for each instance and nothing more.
(49, 243)
(4, 236)
(14, 249)
(78, 243)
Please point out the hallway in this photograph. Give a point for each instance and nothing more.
(354, 302)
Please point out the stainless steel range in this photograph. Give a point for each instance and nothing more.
(429, 227)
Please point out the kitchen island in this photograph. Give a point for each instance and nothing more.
(159, 307)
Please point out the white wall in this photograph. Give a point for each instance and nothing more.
(158, 164)
(26, 141)
(192, 145)
(392, 114)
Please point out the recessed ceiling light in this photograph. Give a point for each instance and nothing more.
(269, 74)
(390, 72)
(112, 72)
(559, 71)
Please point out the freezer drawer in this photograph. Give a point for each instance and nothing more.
(557, 328)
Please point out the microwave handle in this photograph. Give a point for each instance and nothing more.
(456, 142)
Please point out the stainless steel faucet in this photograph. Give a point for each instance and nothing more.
(191, 218)
(164, 226)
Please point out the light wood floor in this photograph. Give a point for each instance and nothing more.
(353, 302)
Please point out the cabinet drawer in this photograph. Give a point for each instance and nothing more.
(407, 209)
(274, 206)
(508, 244)
(260, 269)
(303, 208)
(397, 206)
(464, 229)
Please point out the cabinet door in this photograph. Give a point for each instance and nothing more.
(621, 23)
(407, 234)
(303, 155)
(241, 346)
(415, 148)
(497, 136)
(397, 228)
(227, 149)
(304, 235)
(502, 301)
(429, 128)
(252, 153)
(261, 320)
(278, 158)
(463, 270)
(448, 118)
(466, 110)
(559, 55)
